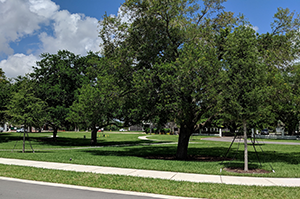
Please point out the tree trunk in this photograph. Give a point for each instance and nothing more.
(23, 150)
(183, 142)
(55, 133)
(94, 136)
(292, 126)
(245, 146)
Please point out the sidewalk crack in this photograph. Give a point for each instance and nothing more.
(173, 176)
(270, 181)
(132, 172)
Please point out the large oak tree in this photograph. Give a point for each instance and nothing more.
(57, 78)
(165, 55)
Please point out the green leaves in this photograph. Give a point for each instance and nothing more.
(26, 109)
(245, 90)
(57, 77)
(285, 21)
(182, 60)
(164, 59)
(5, 90)
(286, 97)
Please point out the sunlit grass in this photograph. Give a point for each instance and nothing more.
(276, 140)
(149, 185)
(174, 138)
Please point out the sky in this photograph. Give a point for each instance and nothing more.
(29, 28)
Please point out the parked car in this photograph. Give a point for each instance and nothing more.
(20, 130)
(264, 132)
(1, 129)
(122, 130)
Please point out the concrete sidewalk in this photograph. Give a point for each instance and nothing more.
(260, 181)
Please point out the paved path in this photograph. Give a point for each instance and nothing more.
(260, 181)
(229, 139)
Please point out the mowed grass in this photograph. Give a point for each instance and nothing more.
(127, 151)
(277, 140)
(43, 140)
(174, 138)
(149, 185)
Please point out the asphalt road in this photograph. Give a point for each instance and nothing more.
(22, 189)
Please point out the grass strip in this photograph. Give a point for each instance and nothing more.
(148, 185)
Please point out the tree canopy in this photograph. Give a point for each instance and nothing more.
(185, 61)
(98, 103)
(165, 55)
(58, 77)
(4, 95)
(26, 109)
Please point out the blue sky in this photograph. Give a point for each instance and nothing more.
(32, 27)
(260, 12)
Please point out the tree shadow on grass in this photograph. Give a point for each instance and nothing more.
(137, 151)
(200, 154)
(148, 149)
(60, 141)
(8, 137)
(70, 142)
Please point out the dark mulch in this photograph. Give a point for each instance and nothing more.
(241, 170)
(190, 158)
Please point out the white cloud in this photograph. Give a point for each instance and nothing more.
(18, 64)
(74, 32)
(45, 8)
(255, 28)
(19, 18)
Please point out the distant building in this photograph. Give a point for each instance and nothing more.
(138, 127)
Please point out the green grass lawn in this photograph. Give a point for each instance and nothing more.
(174, 138)
(149, 185)
(277, 140)
(41, 141)
(127, 151)
(198, 138)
